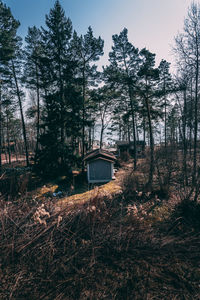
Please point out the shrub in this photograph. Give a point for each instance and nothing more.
(187, 213)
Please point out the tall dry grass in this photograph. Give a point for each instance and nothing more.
(107, 248)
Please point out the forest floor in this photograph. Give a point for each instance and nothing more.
(117, 241)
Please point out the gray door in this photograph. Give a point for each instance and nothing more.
(100, 170)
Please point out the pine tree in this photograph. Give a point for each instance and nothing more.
(57, 74)
(125, 62)
(149, 76)
(8, 110)
(103, 99)
(9, 54)
(165, 85)
(57, 39)
(187, 49)
(32, 70)
(87, 49)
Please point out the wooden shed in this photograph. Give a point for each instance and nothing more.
(100, 166)
(125, 146)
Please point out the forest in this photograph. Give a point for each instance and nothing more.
(135, 238)
(53, 98)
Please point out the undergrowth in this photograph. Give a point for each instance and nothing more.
(108, 248)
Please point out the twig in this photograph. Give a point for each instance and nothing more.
(14, 287)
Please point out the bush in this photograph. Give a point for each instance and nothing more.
(15, 182)
(125, 156)
(188, 215)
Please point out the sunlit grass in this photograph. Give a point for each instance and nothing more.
(109, 189)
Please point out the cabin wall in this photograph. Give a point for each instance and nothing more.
(99, 171)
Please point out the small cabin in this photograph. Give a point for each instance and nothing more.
(128, 147)
(100, 166)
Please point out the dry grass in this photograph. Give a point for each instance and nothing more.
(114, 242)
(110, 189)
(107, 248)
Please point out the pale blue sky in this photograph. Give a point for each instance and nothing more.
(150, 23)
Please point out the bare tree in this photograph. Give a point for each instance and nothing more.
(187, 48)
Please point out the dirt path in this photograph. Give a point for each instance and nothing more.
(109, 189)
(13, 159)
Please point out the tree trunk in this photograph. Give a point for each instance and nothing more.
(151, 169)
(165, 112)
(129, 134)
(165, 124)
(22, 115)
(134, 131)
(4, 143)
(191, 117)
(184, 140)
(196, 118)
(132, 114)
(38, 110)
(62, 126)
(120, 131)
(90, 137)
(8, 138)
(144, 130)
(83, 121)
(0, 131)
(16, 154)
(93, 135)
(101, 136)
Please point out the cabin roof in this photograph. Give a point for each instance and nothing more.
(127, 143)
(100, 154)
(122, 143)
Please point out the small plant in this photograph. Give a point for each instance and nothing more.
(125, 156)
(132, 184)
(187, 215)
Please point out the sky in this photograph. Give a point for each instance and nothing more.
(151, 23)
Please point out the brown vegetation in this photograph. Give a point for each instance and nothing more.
(134, 245)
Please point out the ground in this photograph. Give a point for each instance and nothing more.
(116, 241)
